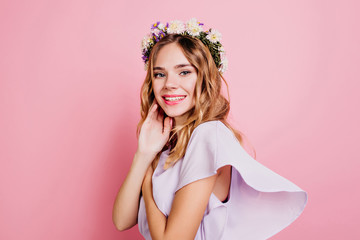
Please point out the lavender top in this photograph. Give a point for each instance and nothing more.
(261, 203)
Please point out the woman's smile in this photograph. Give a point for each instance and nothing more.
(173, 99)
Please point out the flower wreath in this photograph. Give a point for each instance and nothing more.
(210, 38)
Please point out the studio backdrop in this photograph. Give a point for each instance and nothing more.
(70, 78)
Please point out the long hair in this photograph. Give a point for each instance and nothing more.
(210, 104)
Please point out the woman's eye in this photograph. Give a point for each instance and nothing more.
(185, 73)
(158, 75)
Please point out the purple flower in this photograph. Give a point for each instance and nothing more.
(155, 25)
(145, 58)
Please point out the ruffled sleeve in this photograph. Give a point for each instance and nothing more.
(200, 158)
(261, 202)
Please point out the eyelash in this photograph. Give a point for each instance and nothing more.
(186, 73)
(156, 74)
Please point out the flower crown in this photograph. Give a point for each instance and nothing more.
(193, 28)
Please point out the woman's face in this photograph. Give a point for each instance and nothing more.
(174, 82)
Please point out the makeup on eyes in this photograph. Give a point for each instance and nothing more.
(182, 73)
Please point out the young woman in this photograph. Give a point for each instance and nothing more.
(190, 177)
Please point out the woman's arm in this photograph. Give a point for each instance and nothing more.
(186, 212)
(153, 136)
(126, 204)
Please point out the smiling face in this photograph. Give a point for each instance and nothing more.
(174, 82)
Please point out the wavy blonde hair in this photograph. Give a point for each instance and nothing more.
(210, 104)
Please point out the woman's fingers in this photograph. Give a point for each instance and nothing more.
(160, 115)
(155, 133)
(156, 116)
(167, 125)
(152, 111)
(156, 113)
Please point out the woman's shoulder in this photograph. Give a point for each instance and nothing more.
(211, 128)
(209, 125)
(210, 134)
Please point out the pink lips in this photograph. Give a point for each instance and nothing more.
(173, 102)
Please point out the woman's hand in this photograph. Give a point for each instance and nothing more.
(154, 132)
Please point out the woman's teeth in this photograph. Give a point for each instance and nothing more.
(174, 98)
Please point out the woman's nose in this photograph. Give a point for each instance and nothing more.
(172, 81)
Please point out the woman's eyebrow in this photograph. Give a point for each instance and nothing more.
(183, 65)
(176, 66)
(158, 68)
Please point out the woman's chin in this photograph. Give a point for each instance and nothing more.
(176, 114)
(171, 114)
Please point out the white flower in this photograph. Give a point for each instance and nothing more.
(147, 40)
(155, 31)
(214, 36)
(193, 27)
(224, 65)
(176, 27)
(161, 26)
(222, 53)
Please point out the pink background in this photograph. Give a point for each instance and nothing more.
(70, 74)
